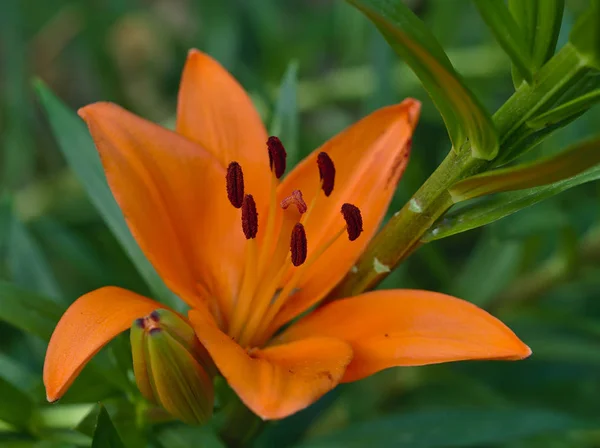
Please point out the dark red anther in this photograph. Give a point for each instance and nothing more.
(298, 245)
(277, 156)
(326, 172)
(249, 217)
(354, 222)
(141, 323)
(235, 184)
(296, 199)
(155, 316)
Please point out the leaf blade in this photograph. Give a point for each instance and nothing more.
(105, 435)
(490, 209)
(462, 112)
(508, 34)
(545, 171)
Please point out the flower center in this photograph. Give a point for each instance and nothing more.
(274, 270)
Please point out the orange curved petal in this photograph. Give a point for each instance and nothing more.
(214, 110)
(409, 328)
(278, 381)
(173, 196)
(369, 159)
(87, 326)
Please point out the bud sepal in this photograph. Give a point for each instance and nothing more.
(171, 367)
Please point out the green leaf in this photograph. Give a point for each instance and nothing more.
(462, 112)
(565, 111)
(28, 311)
(585, 35)
(496, 15)
(506, 255)
(27, 263)
(285, 117)
(486, 210)
(539, 21)
(15, 406)
(544, 171)
(449, 428)
(181, 436)
(105, 435)
(78, 148)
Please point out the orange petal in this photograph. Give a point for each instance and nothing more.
(173, 196)
(278, 381)
(369, 159)
(87, 326)
(409, 328)
(214, 110)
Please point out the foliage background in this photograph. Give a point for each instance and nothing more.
(537, 270)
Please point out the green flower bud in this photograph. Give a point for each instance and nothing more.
(172, 368)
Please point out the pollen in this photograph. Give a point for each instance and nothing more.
(249, 217)
(354, 222)
(326, 172)
(277, 156)
(298, 245)
(235, 184)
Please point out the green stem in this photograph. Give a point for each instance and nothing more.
(402, 234)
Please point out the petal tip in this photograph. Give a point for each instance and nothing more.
(86, 112)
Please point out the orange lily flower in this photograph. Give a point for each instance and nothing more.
(250, 253)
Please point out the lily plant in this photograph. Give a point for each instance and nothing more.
(254, 252)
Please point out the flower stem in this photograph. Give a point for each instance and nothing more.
(402, 234)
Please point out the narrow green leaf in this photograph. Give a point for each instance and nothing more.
(28, 311)
(585, 35)
(486, 210)
(565, 111)
(15, 406)
(450, 428)
(544, 171)
(78, 148)
(285, 120)
(462, 112)
(496, 15)
(105, 435)
(506, 255)
(27, 263)
(539, 21)
(181, 436)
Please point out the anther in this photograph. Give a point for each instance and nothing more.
(249, 217)
(298, 245)
(326, 172)
(354, 222)
(141, 323)
(155, 316)
(235, 184)
(277, 156)
(296, 199)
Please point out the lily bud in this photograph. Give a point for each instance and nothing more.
(172, 368)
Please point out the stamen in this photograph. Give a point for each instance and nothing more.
(326, 172)
(155, 316)
(296, 199)
(354, 222)
(298, 245)
(141, 322)
(249, 217)
(235, 184)
(277, 156)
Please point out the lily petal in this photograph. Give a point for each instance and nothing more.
(173, 196)
(275, 382)
(214, 110)
(369, 159)
(409, 328)
(87, 326)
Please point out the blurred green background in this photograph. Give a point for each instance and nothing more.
(538, 270)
